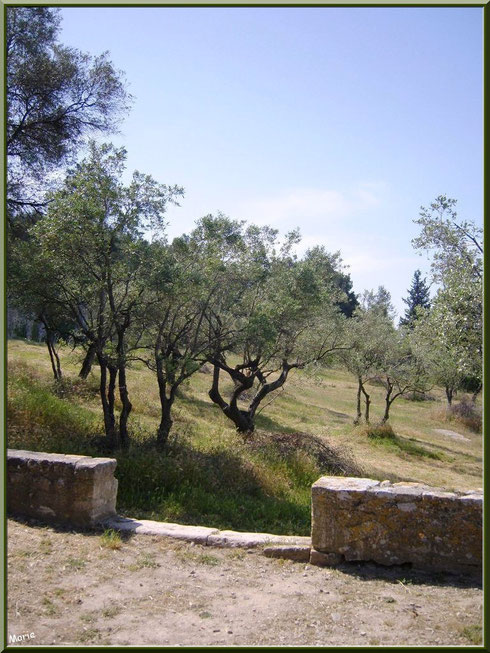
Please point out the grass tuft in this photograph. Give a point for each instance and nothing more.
(379, 431)
(111, 539)
(41, 421)
(473, 633)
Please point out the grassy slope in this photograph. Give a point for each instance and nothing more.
(211, 476)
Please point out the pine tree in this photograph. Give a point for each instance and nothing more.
(418, 296)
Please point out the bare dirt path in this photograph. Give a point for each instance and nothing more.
(68, 589)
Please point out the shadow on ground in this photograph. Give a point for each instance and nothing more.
(405, 575)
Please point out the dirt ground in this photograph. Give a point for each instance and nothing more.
(68, 588)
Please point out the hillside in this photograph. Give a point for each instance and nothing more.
(211, 475)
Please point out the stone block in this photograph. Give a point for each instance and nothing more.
(197, 534)
(57, 488)
(297, 553)
(430, 528)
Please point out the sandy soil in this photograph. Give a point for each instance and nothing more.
(69, 589)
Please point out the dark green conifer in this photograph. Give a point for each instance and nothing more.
(418, 296)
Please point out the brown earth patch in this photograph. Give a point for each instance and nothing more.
(69, 589)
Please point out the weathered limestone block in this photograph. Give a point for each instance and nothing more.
(363, 519)
(58, 488)
(292, 552)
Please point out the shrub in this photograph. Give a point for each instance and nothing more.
(337, 461)
(382, 431)
(75, 388)
(467, 414)
(418, 396)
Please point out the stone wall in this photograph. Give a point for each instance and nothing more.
(77, 490)
(362, 519)
(352, 518)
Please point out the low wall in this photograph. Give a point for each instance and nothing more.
(352, 518)
(362, 519)
(77, 490)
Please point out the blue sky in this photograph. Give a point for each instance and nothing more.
(341, 121)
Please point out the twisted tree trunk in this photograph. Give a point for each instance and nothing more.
(358, 416)
(106, 391)
(244, 420)
(88, 361)
(367, 401)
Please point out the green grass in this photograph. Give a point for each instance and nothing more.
(210, 475)
(146, 560)
(75, 563)
(473, 633)
(111, 539)
(384, 436)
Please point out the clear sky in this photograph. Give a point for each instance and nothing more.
(342, 121)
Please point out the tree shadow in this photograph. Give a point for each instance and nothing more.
(449, 450)
(219, 488)
(268, 424)
(340, 416)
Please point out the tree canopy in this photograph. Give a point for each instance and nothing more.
(451, 332)
(55, 97)
(88, 265)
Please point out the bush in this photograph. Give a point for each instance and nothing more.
(467, 414)
(381, 431)
(75, 388)
(418, 396)
(337, 461)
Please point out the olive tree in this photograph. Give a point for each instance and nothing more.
(273, 314)
(401, 370)
(91, 250)
(181, 288)
(451, 332)
(367, 336)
